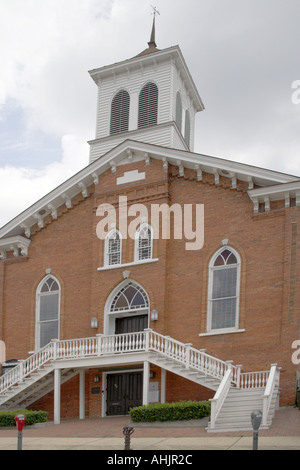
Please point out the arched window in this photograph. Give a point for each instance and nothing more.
(127, 309)
(48, 311)
(224, 290)
(178, 111)
(143, 242)
(130, 297)
(113, 248)
(187, 128)
(119, 112)
(148, 105)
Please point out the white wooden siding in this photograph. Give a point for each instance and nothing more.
(165, 74)
(133, 82)
(164, 135)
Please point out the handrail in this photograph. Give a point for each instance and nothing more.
(25, 368)
(257, 379)
(192, 358)
(269, 391)
(220, 396)
(143, 341)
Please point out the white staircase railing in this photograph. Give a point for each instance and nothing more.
(148, 340)
(27, 367)
(190, 357)
(220, 397)
(254, 379)
(269, 392)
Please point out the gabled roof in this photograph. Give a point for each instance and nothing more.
(267, 183)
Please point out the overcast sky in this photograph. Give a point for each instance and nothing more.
(243, 56)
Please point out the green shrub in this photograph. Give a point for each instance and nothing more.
(7, 418)
(170, 411)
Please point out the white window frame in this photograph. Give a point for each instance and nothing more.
(212, 269)
(39, 294)
(136, 244)
(106, 248)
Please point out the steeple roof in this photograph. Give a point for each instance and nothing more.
(152, 43)
(152, 38)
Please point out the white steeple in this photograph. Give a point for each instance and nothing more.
(150, 98)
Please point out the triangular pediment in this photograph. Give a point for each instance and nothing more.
(261, 182)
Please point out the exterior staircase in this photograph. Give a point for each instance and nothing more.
(237, 408)
(34, 387)
(237, 394)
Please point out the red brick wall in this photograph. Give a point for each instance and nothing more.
(176, 285)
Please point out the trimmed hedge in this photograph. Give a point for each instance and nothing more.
(170, 411)
(7, 418)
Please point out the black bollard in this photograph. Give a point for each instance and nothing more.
(127, 431)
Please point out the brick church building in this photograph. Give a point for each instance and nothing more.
(101, 311)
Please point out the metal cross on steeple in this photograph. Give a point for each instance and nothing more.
(155, 11)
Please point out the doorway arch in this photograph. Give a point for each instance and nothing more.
(127, 309)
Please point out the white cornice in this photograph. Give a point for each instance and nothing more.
(18, 245)
(133, 135)
(279, 192)
(89, 175)
(213, 165)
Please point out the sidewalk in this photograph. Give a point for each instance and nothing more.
(107, 434)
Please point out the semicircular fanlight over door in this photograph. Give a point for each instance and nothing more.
(129, 310)
(130, 297)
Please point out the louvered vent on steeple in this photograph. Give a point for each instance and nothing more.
(119, 112)
(148, 105)
(178, 110)
(187, 129)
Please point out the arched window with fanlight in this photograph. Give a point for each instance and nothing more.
(148, 105)
(119, 119)
(131, 297)
(127, 309)
(143, 242)
(47, 311)
(113, 248)
(224, 290)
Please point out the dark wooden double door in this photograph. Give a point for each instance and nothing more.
(131, 324)
(125, 390)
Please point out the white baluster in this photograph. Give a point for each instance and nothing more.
(187, 355)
